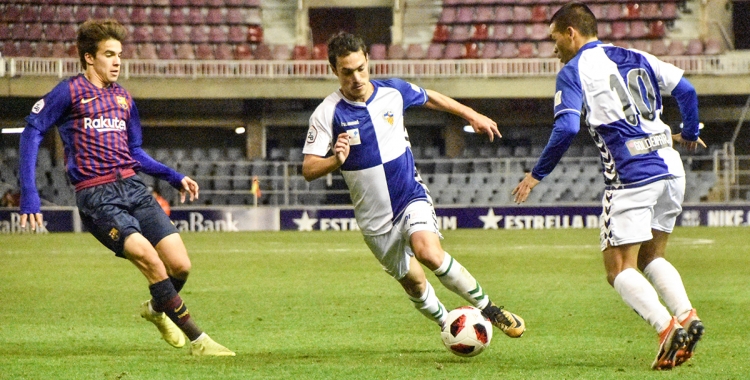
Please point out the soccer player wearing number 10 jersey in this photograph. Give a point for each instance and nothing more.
(101, 133)
(619, 92)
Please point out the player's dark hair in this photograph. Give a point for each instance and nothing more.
(578, 16)
(343, 44)
(91, 32)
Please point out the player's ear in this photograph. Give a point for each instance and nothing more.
(89, 58)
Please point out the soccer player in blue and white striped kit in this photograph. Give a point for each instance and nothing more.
(619, 91)
(362, 123)
(101, 131)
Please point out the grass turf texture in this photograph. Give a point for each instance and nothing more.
(317, 306)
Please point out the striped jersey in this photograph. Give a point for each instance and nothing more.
(100, 130)
(619, 91)
(379, 170)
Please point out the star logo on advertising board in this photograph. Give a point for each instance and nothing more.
(305, 223)
(490, 220)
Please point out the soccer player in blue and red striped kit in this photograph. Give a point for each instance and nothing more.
(101, 131)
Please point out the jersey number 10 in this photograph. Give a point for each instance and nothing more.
(638, 83)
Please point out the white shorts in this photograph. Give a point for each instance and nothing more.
(392, 249)
(629, 215)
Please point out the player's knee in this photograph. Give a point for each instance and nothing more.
(430, 257)
(182, 270)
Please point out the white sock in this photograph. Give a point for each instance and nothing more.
(199, 338)
(668, 284)
(458, 280)
(638, 293)
(430, 306)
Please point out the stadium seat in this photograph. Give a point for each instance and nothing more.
(244, 52)
(141, 33)
(177, 16)
(489, 50)
(195, 16)
(539, 32)
(53, 32)
(522, 14)
(147, 51)
(669, 10)
(120, 13)
(166, 51)
(650, 10)
(180, 34)
(435, 51)
(539, 13)
(713, 47)
(642, 45)
(25, 49)
(503, 14)
(320, 52)
(161, 34)
(396, 52)
(29, 14)
(545, 49)
(525, 50)
(47, 14)
(158, 16)
(43, 50)
(300, 52)
(254, 33)
(235, 16)
(215, 16)
(614, 12)
(657, 29)
(198, 34)
(676, 47)
(129, 51)
(632, 10)
(281, 52)
(465, 15)
(460, 33)
(453, 50)
(18, 31)
(471, 50)
(217, 35)
(138, 15)
(12, 13)
(263, 52)
(694, 47)
(204, 51)
(448, 16)
(484, 14)
(236, 34)
(415, 51)
(34, 31)
(499, 32)
(441, 33)
(58, 50)
(658, 48)
(519, 32)
(619, 30)
(638, 29)
(508, 50)
(185, 51)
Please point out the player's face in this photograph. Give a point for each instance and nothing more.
(104, 68)
(564, 49)
(354, 76)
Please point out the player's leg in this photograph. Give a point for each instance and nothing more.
(173, 253)
(422, 294)
(424, 242)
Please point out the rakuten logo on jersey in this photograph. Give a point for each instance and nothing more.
(104, 125)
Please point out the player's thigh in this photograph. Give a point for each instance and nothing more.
(173, 253)
(420, 226)
(627, 214)
(669, 204)
(105, 214)
(155, 224)
(390, 249)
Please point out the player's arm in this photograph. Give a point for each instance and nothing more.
(150, 166)
(687, 100)
(480, 123)
(565, 129)
(314, 166)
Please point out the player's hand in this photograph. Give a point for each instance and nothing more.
(189, 186)
(36, 222)
(689, 145)
(521, 192)
(341, 148)
(484, 125)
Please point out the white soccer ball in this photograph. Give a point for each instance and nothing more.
(466, 332)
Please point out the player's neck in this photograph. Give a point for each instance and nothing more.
(95, 79)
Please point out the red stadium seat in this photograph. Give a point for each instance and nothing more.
(525, 50)
(669, 10)
(53, 32)
(235, 16)
(619, 30)
(204, 51)
(713, 47)
(129, 51)
(441, 33)
(484, 14)
(539, 13)
(650, 10)
(415, 51)
(83, 13)
(471, 50)
(5, 33)
(676, 47)
(236, 34)
(448, 16)
(435, 51)
(58, 50)
(215, 16)
(519, 32)
(12, 13)
(138, 15)
(453, 51)
(159, 16)
(503, 13)
(320, 52)
(43, 50)
(598, 11)
(195, 16)
(47, 14)
(489, 50)
(64, 13)
(185, 51)
(545, 49)
(224, 52)
(481, 32)
(217, 35)
(281, 52)
(614, 11)
(180, 34)
(465, 14)
(633, 10)
(120, 13)
(263, 52)
(300, 52)
(147, 51)
(254, 33)
(602, 30)
(460, 33)
(198, 34)
(396, 52)
(694, 47)
(539, 32)
(638, 29)
(18, 31)
(521, 13)
(179, 3)
(658, 48)
(29, 14)
(215, 3)
(508, 50)
(101, 12)
(641, 45)
(161, 34)
(166, 51)
(243, 51)
(141, 33)
(378, 52)
(25, 49)
(657, 29)
(71, 50)
(34, 31)
(500, 32)
(177, 16)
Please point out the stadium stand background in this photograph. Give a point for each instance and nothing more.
(190, 114)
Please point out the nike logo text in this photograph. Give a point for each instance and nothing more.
(84, 100)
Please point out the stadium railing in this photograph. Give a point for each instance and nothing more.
(482, 68)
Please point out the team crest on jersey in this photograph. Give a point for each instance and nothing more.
(312, 134)
(122, 102)
(388, 116)
(354, 137)
(558, 98)
(114, 234)
(38, 106)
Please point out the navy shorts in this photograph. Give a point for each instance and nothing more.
(114, 211)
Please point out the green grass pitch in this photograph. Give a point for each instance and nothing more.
(318, 306)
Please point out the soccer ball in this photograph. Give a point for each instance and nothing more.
(466, 332)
